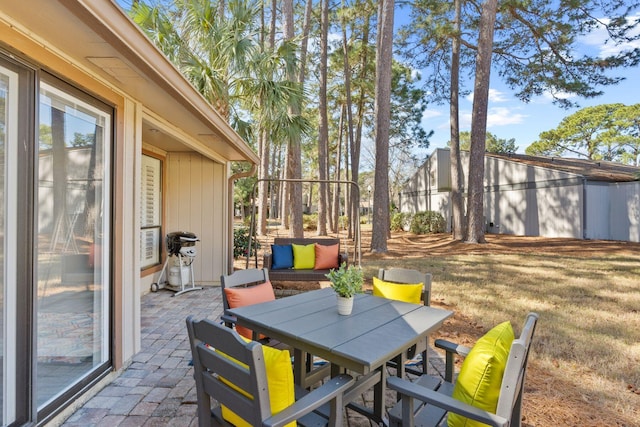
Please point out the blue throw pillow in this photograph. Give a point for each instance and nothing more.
(282, 257)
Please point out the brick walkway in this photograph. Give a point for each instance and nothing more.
(158, 389)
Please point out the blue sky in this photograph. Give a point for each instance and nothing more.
(509, 117)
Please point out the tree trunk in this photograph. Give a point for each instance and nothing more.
(294, 169)
(356, 140)
(384, 60)
(336, 192)
(457, 202)
(93, 175)
(323, 131)
(263, 185)
(475, 203)
(59, 155)
(264, 145)
(305, 41)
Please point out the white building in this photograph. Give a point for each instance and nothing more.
(538, 196)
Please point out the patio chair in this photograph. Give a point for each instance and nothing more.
(251, 384)
(238, 289)
(252, 286)
(404, 276)
(488, 388)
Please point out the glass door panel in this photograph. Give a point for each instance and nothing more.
(72, 220)
(8, 161)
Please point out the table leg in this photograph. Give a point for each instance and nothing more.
(299, 367)
(379, 391)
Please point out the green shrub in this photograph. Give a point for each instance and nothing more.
(427, 222)
(399, 221)
(241, 242)
(310, 221)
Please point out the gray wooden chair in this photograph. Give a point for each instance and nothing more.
(239, 278)
(404, 276)
(436, 394)
(247, 279)
(210, 365)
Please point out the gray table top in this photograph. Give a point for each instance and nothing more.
(377, 330)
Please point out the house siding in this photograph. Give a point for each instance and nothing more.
(598, 209)
(528, 200)
(197, 188)
(625, 211)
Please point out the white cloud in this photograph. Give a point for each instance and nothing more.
(503, 117)
(495, 117)
(558, 95)
(497, 96)
(429, 114)
(494, 96)
(599, 39)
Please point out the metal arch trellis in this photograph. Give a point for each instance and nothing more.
(252, 230)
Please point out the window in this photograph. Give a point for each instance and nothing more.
(150, 212)
(73, 236)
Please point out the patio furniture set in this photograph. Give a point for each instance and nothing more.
(245, 375)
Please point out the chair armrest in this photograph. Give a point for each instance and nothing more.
(409, 390)
(266, 260)
(228, 320)
(451, 349)
(333, 389)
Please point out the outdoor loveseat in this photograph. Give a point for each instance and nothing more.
(314, 269)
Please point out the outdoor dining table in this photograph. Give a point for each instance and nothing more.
(378, 330)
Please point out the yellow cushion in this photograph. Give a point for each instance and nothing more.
(480, 377)
(304, 256)
(398, 291)
(279, 381)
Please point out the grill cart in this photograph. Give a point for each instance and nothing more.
(180, 244)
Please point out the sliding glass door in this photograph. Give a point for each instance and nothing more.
(72, 225)
(9, 92)
(55, 234)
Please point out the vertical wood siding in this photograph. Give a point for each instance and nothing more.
(625, 211)
(196, 202)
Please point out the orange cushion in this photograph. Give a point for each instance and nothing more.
(240, 297)
(326, 256)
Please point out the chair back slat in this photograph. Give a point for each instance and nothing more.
(227, 396)
(512, 386)
(247, 371)
(234, 372)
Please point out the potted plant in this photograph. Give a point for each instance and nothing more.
(346, 282)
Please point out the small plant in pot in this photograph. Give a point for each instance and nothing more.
(346, 282)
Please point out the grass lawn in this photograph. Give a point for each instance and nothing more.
(585, 366)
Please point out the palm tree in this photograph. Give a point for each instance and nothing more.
(220, 49)
(222, 57)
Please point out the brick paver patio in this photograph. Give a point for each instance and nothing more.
(158, 389)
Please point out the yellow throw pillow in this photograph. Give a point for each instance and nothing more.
(304, 256)
(480, 377)
(398, 291)
(279, 381)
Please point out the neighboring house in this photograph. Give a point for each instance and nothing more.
(538, 196)
(104, 149)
